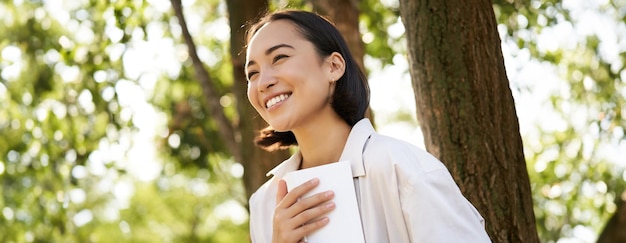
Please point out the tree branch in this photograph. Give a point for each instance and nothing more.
(226, 129)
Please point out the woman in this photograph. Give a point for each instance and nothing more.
(304, 82)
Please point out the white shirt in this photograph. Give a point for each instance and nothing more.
(404, 193)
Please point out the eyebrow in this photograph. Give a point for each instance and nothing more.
(270, 50)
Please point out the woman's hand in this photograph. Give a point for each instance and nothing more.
(293, 218)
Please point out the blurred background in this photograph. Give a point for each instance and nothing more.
(108, 133)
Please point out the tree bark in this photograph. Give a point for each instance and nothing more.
(466, 110)
(256, 162)
(615, 229)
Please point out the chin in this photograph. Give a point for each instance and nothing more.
(280, 129)
(279, 126)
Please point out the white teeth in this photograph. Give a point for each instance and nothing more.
(275, 100)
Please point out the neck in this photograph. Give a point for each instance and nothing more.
(322, 142)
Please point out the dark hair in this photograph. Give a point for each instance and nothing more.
(351, 96)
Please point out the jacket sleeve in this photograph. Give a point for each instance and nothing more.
(433, 207)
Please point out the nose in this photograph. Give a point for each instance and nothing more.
(266, 81)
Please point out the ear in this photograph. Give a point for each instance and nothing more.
(337, 66)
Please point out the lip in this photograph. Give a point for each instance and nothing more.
(269, 97)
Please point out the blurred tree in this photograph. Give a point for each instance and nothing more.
(75, 81)
(59, 105)
(575, 176)
(614, 230)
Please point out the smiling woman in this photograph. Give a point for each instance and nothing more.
(346, 85)
(303, 81)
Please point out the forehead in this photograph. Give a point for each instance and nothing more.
(271, 34)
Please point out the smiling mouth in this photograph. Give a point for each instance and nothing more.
(273, 101)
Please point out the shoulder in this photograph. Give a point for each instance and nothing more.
(262, 195)
(268, 189)
(385, 151)
(413, 170)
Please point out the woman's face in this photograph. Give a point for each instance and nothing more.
(289, 84)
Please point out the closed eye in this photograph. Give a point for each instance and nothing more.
(278, 57)
(251, 74)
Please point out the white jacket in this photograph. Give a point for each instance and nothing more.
(404, 194)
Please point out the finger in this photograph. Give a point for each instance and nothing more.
(311, 201)
(314, 213)
(311, 227)
(281, 192)
(292, 196)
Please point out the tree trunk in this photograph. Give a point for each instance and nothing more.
(256, 162)
(615, 229)
(466, 110)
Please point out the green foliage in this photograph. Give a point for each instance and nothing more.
(192, 136)
(575, 182)
(49, 124)
(376, 19)
(72, 110)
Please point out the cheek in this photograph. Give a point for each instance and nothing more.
(252, 96)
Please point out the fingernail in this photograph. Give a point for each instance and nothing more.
(328, 194)
(330, 205)
(314, 181)
(325, 220)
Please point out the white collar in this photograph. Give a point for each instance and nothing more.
(352, 152)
